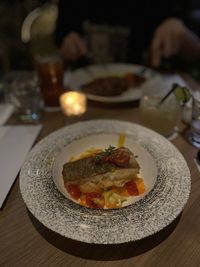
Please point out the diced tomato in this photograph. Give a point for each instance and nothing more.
(95, 200)
(83, 200)
(122, 191)
(74, 190)
(131, 187)
(111, 206)
(94, 195)
(140, 185)
(128, 77)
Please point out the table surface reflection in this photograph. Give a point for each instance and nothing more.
(25, 242)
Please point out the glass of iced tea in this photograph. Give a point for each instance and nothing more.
(50, 72)
(161, 118)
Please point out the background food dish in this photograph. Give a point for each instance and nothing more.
(85, 75)
(145, 217)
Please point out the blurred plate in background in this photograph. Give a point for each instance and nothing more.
(82, 76)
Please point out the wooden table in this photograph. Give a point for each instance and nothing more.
(25, 242)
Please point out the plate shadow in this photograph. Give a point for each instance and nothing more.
(103, 252)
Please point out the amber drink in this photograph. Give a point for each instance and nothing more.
(50, 71)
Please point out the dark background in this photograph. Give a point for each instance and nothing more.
(15, 54)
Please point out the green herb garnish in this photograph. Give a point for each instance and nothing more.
(107, 152)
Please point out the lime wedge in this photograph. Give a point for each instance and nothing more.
(181, 93)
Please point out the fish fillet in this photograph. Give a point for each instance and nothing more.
(105, 169)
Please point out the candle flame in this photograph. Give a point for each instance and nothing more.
(73, 103)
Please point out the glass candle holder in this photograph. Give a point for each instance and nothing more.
(73, 103)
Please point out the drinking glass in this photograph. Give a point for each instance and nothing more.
(159, 117)
(194, 132)
(50, 72)
(23, 92)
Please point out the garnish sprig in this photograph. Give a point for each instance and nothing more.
(106, 153)
(182, 94)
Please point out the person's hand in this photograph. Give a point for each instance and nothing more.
(73, 47)
(167, 40)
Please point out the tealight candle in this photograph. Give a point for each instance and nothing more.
(73, 103)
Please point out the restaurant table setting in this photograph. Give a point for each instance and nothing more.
(90, 223)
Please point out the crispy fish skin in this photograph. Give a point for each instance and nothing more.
(104, 172)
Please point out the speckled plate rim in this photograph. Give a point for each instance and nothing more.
(83, 75)
(142, 219)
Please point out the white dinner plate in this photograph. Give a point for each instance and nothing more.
(84, 75)
(164, 170)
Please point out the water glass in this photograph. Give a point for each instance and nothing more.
(23, 92)
(194, 132)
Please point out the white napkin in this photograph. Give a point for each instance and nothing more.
(163, 82)
(6, 111)
(174, 78)
(15, 142)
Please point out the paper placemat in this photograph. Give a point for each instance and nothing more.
(6, 111)
(15, 142)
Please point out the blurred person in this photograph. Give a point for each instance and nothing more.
(172, 37)
(125, 31)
